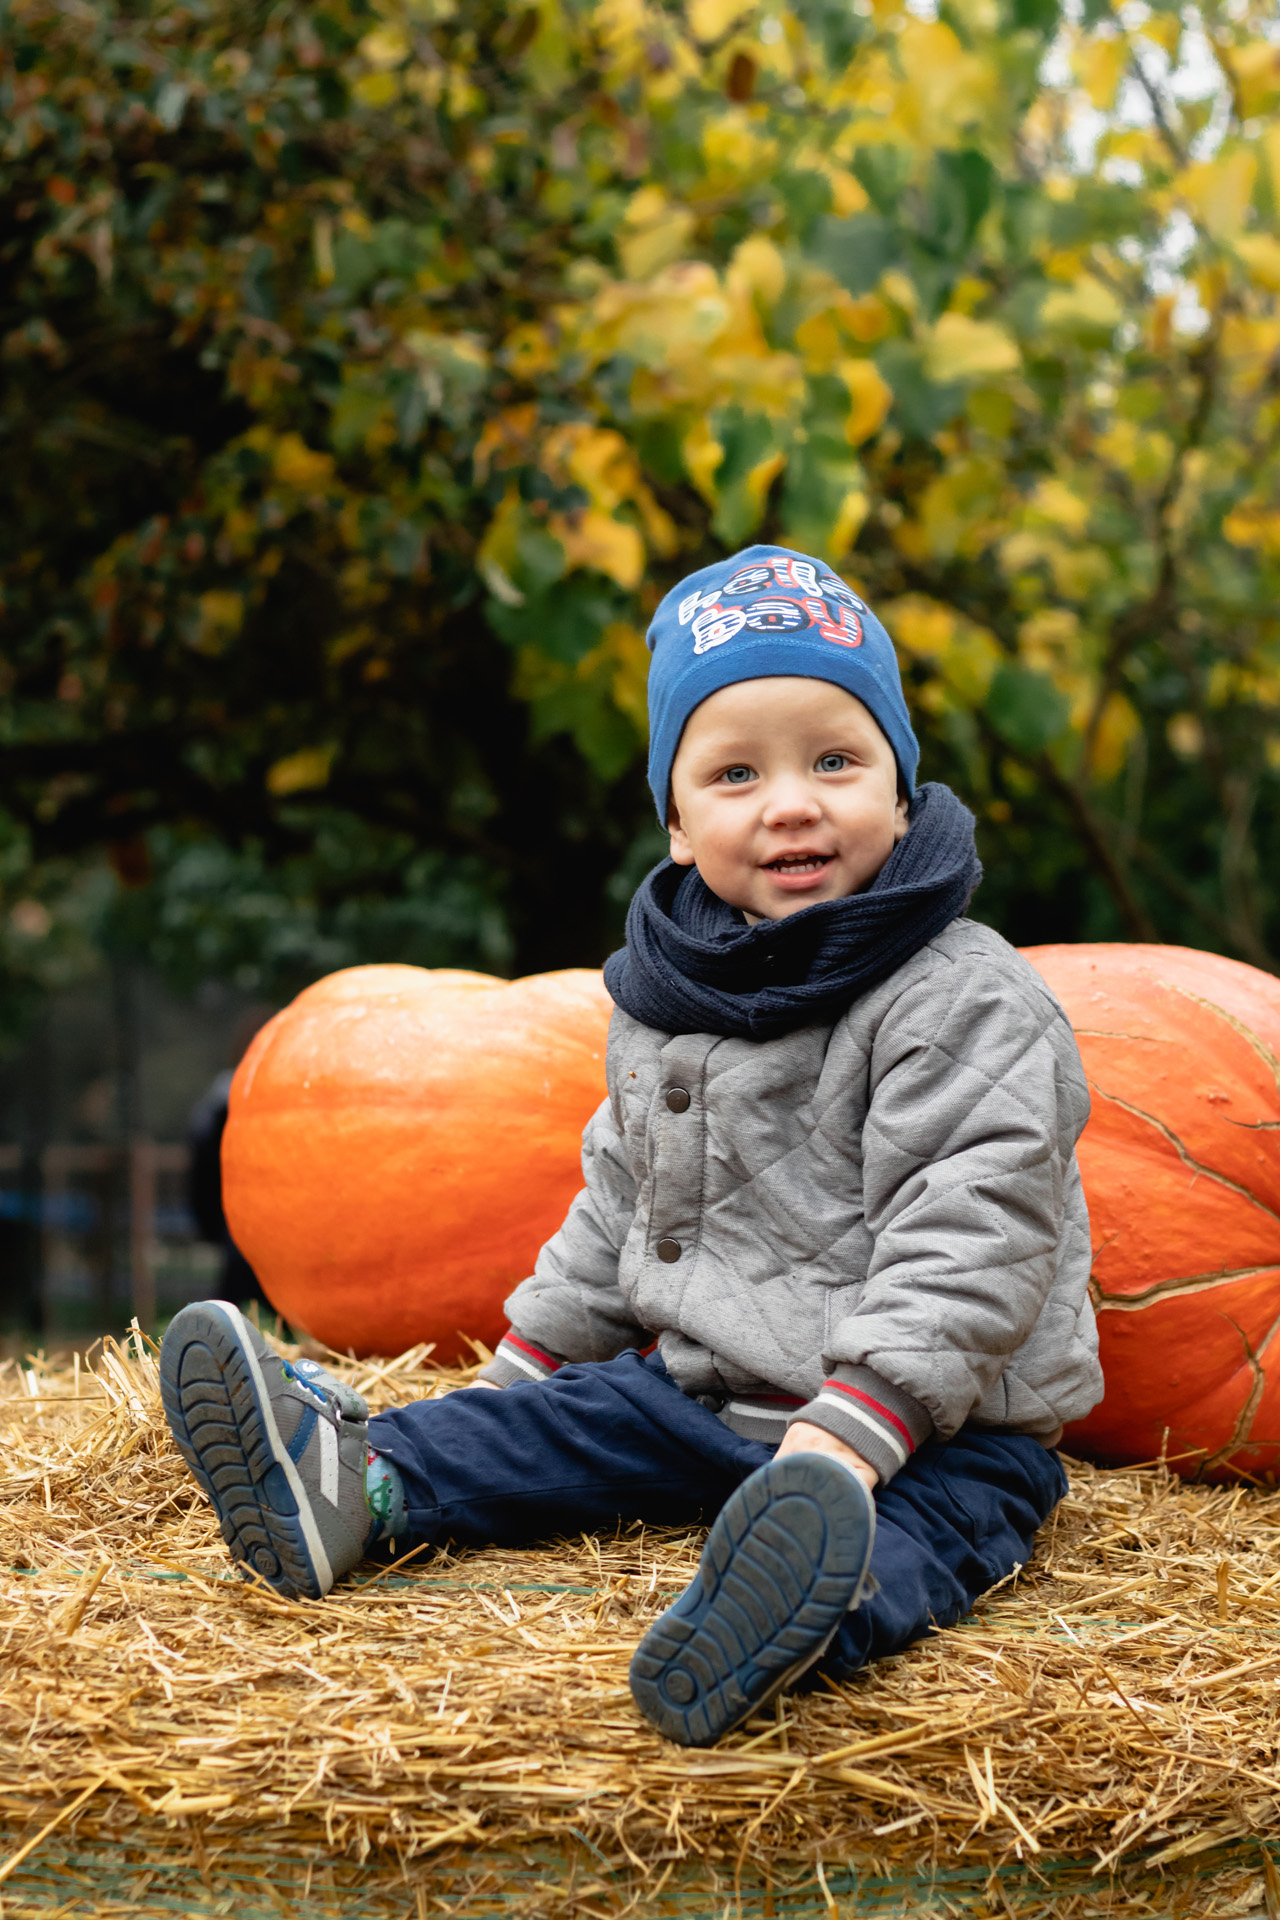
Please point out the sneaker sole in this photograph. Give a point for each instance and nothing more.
(220, 1415)
(784, 1562)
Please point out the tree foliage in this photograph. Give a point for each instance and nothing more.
(372, 367)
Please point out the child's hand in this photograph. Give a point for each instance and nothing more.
(801, 1437)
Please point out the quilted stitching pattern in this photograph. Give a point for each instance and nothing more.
(896, 1191)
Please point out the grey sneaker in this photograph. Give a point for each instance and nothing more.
(787, 1558)
(273, 1447)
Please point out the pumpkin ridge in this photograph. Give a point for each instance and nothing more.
(1114, 1033)
(1247, 1034)
(1248, 1412)
(1197, 1166)
(1190, 1283)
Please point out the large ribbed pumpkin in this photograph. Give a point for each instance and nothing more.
(1181, 1169)
(400, 1143)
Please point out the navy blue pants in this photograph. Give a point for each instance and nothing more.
(617, 1441)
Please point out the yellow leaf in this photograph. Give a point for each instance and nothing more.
(628, 653)
(1054, 502)
(1271, 147)
(964, 654)
(870, 397)
(528, 351)
(945, 91)
(426, 83)
(1255, 69)
(1249, 349)
(848, 195)
(761, 477)
(1164, 30)
(322, 249)
(959, 348)
(1261, 255)
(656, 246)
(1144, 454)
(1231, 682)
(496, 560)
(854, 509)
(900, 288)
(645, 206)
(1117, 729)
(376, 89)
(385, 47)
(457, 353)
(967, 293)
(1099, 66)
(1252, 524)
(867, 318)
(921, 626)
(703, 456)
(659, 528)
(297, 772)
(1087, 306)
(1218, 191)
(1049, 639)
(297, 465)
(597, 459)
(733, 149)
(506, 440)
(710, 19)
(818, 339)
(956, 509)
(596, 540)
(221, 617)
(757, 268)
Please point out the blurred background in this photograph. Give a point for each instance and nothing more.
(369, 372)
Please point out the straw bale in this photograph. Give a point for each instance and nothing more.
(1114, 1705)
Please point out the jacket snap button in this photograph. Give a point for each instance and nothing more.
(668, 1250)
(678, 1100)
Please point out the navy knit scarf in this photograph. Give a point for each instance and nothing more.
(692, 965)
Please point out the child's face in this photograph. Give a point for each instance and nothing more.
(783, 793)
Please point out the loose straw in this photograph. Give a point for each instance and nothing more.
(461, 1706)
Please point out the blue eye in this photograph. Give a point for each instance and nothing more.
(833, 763)
(738, 776)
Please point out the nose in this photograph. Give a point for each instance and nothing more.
(790, 802)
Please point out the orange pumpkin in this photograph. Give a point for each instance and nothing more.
(1181, 1168)
(400, 1142)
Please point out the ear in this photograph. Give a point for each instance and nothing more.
(900, 821)
(681, 851)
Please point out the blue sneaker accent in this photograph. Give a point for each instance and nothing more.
(306, 1427)
(785, 1561)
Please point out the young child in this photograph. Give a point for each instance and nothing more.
(834, 1181)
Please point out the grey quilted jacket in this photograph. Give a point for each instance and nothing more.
(875, 1225)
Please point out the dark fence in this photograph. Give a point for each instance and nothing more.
(92, 1235)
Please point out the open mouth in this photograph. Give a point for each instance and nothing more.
(799, 862)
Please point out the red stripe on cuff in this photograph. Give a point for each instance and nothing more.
(543, 1359)
(890, 1419)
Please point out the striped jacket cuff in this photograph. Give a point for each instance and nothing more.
(519, 1359)
(878, 1420)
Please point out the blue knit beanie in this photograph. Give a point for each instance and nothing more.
(767, 612)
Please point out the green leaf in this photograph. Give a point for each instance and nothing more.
(1026, 708)
(857, 250)
(920, 405)
(742, 480)
(564, 623)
